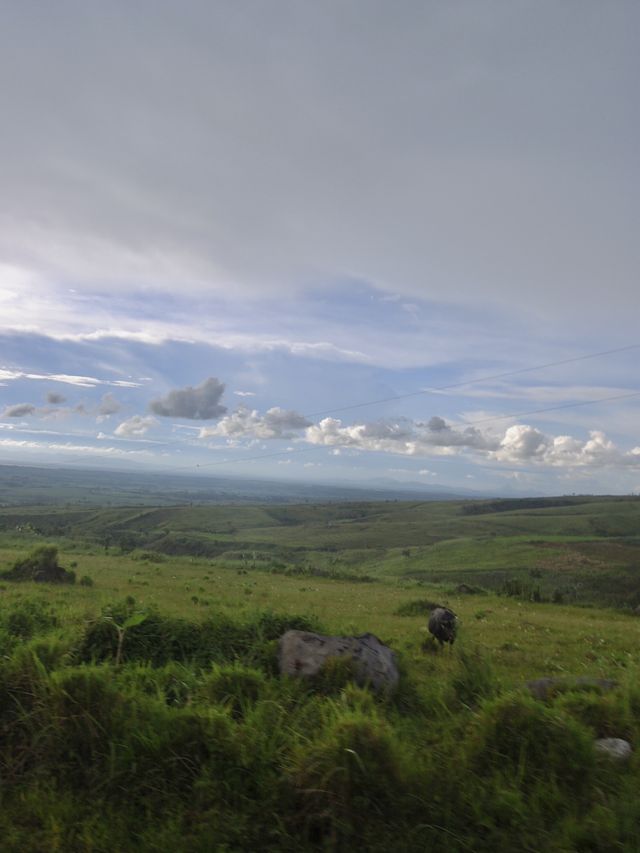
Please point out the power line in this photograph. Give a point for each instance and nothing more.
(316, 448)
(476, 381)
(555, 408)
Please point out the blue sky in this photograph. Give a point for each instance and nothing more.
(224, 227)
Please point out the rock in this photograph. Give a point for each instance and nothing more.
(614, 747)
(302, 653)
(547, 688)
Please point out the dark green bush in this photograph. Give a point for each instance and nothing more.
(217, 639)
(28, 617)
(174, 684)
(607, 715)
(234, 686)
(348, 783)
(417, 607)
(41, 566)
(538, 743)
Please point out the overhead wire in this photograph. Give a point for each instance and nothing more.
(477, 380)
(542, 410)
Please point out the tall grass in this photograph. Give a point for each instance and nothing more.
(192, 742)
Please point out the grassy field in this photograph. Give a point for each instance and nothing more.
(585, 550)
(193, 743)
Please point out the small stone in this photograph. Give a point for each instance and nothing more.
(615, 747)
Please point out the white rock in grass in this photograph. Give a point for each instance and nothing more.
(614, 747)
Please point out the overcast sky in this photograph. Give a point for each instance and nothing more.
(224, 226)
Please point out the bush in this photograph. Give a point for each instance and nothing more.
(161, 639)
(417, 607)
(41, 566)
(28, 617)
(173, 684)
(348, 783)
(234, 686)
(607, 715)
(537, 743)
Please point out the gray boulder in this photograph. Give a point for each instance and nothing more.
(302, 653)
(614, 747)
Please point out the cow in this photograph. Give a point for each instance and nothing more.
(443, 624)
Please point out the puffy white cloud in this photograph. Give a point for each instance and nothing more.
(135, 426)
(248, 423)
(525, 444)
(520, 443)
(198, 404)
(403, 436)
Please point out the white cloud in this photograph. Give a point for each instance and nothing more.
(403, 436)
(519, 443)
(135, 426)
(69, 379)
(248, 423)
(78, 449)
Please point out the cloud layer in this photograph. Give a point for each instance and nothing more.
(272, 147)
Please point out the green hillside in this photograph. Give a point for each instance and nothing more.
(141, 706)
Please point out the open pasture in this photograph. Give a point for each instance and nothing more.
(142, 710)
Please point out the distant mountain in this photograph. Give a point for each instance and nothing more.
(443, 492)
(21, 485)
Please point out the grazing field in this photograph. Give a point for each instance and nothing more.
(142, 709)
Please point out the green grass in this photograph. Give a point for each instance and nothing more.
(191, 741)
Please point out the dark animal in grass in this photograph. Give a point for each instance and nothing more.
(443, 624)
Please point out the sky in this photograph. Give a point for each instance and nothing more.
(347, 242)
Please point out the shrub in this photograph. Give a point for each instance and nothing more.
(41, 566)
(417, 607)
(537, 743)
(85, 580)
(348, 783)
(607, 715)
(160, 639)
(234, 686)
(28, 617)
(173, 684)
